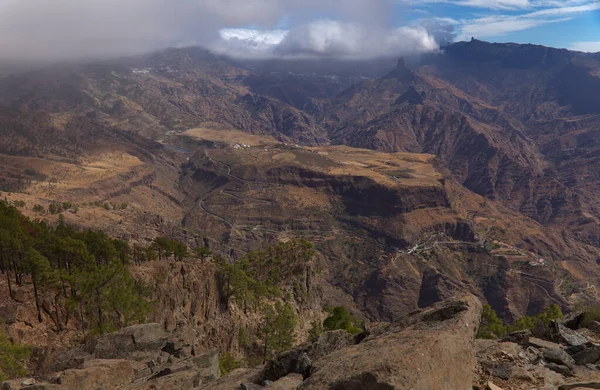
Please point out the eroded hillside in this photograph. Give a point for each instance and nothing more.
(477, 170)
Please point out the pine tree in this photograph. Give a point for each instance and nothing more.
(277, 328)
(42, 275)
(340, 318)
(12, 357)
(491, 326)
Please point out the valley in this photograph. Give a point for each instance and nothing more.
(472, 171)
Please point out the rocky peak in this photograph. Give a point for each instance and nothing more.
(401, 72)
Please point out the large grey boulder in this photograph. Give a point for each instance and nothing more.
(138, 338)
(558, 356)
(435, 351)
(585, 354)
(562, 334)
(234, 379)
(300, 360)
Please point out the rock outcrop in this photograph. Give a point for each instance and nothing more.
(140, 357)
(433, 351)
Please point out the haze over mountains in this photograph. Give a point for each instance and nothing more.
(516, 124)
(474, 169)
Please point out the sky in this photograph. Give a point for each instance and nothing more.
(52, 30)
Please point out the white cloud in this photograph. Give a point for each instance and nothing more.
(588, 47)
(68, 29)
(326, 38)
(513, 5)
(498, 25)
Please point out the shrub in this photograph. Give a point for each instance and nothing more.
(12, 358)
(228, 363)
(491, 327)
(316, 329)
(340, 318)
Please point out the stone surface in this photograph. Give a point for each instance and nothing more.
(234, 379)
(290, 382)
(558, 356)
(559, 368)
(521, 337)
(492, 386)
(435, 351)
(568, 336)
(300, 360)
(542, 344)
(97, 374)
(502, 370)
(250, 386)
(145, 337)
(585, 354)
(580, 385)
(595, 326)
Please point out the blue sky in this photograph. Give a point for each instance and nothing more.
(350, 27)
(572, 24)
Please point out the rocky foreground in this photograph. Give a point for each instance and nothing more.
(434, 348)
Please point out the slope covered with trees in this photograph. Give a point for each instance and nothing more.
(83, 274)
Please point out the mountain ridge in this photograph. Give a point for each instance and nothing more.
(505, 132)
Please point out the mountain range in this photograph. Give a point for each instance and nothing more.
(464, 170)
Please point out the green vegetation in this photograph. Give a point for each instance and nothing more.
(316, 329)
(492, 327)
(340, 318)
(202, 252)
(12, 358)
(277, 328)
(263, 274)
(261, 277)
(38, 208)
(591, 313)
(166, 247)
(84, 273)
(228, 363)
(58, 207)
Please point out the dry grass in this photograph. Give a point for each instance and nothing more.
(111, 177)
(229, 137)
(408, 169)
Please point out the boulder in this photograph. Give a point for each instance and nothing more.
(207, 366)
(520, 337)
(558, 356)
(542, 344)
(434, 351)
(234, 379)
(580, 385)
(502, 370)
(573, 320)
(14, 384)
(95, 374)
(145, 338)
(300, 360)
(565, 335)
(290, 382)
(594, 326)
(492, 386)
(585, 354)
(8, 312)
(559, 368)
(250, 386)
(180, 380)
(45, 386)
